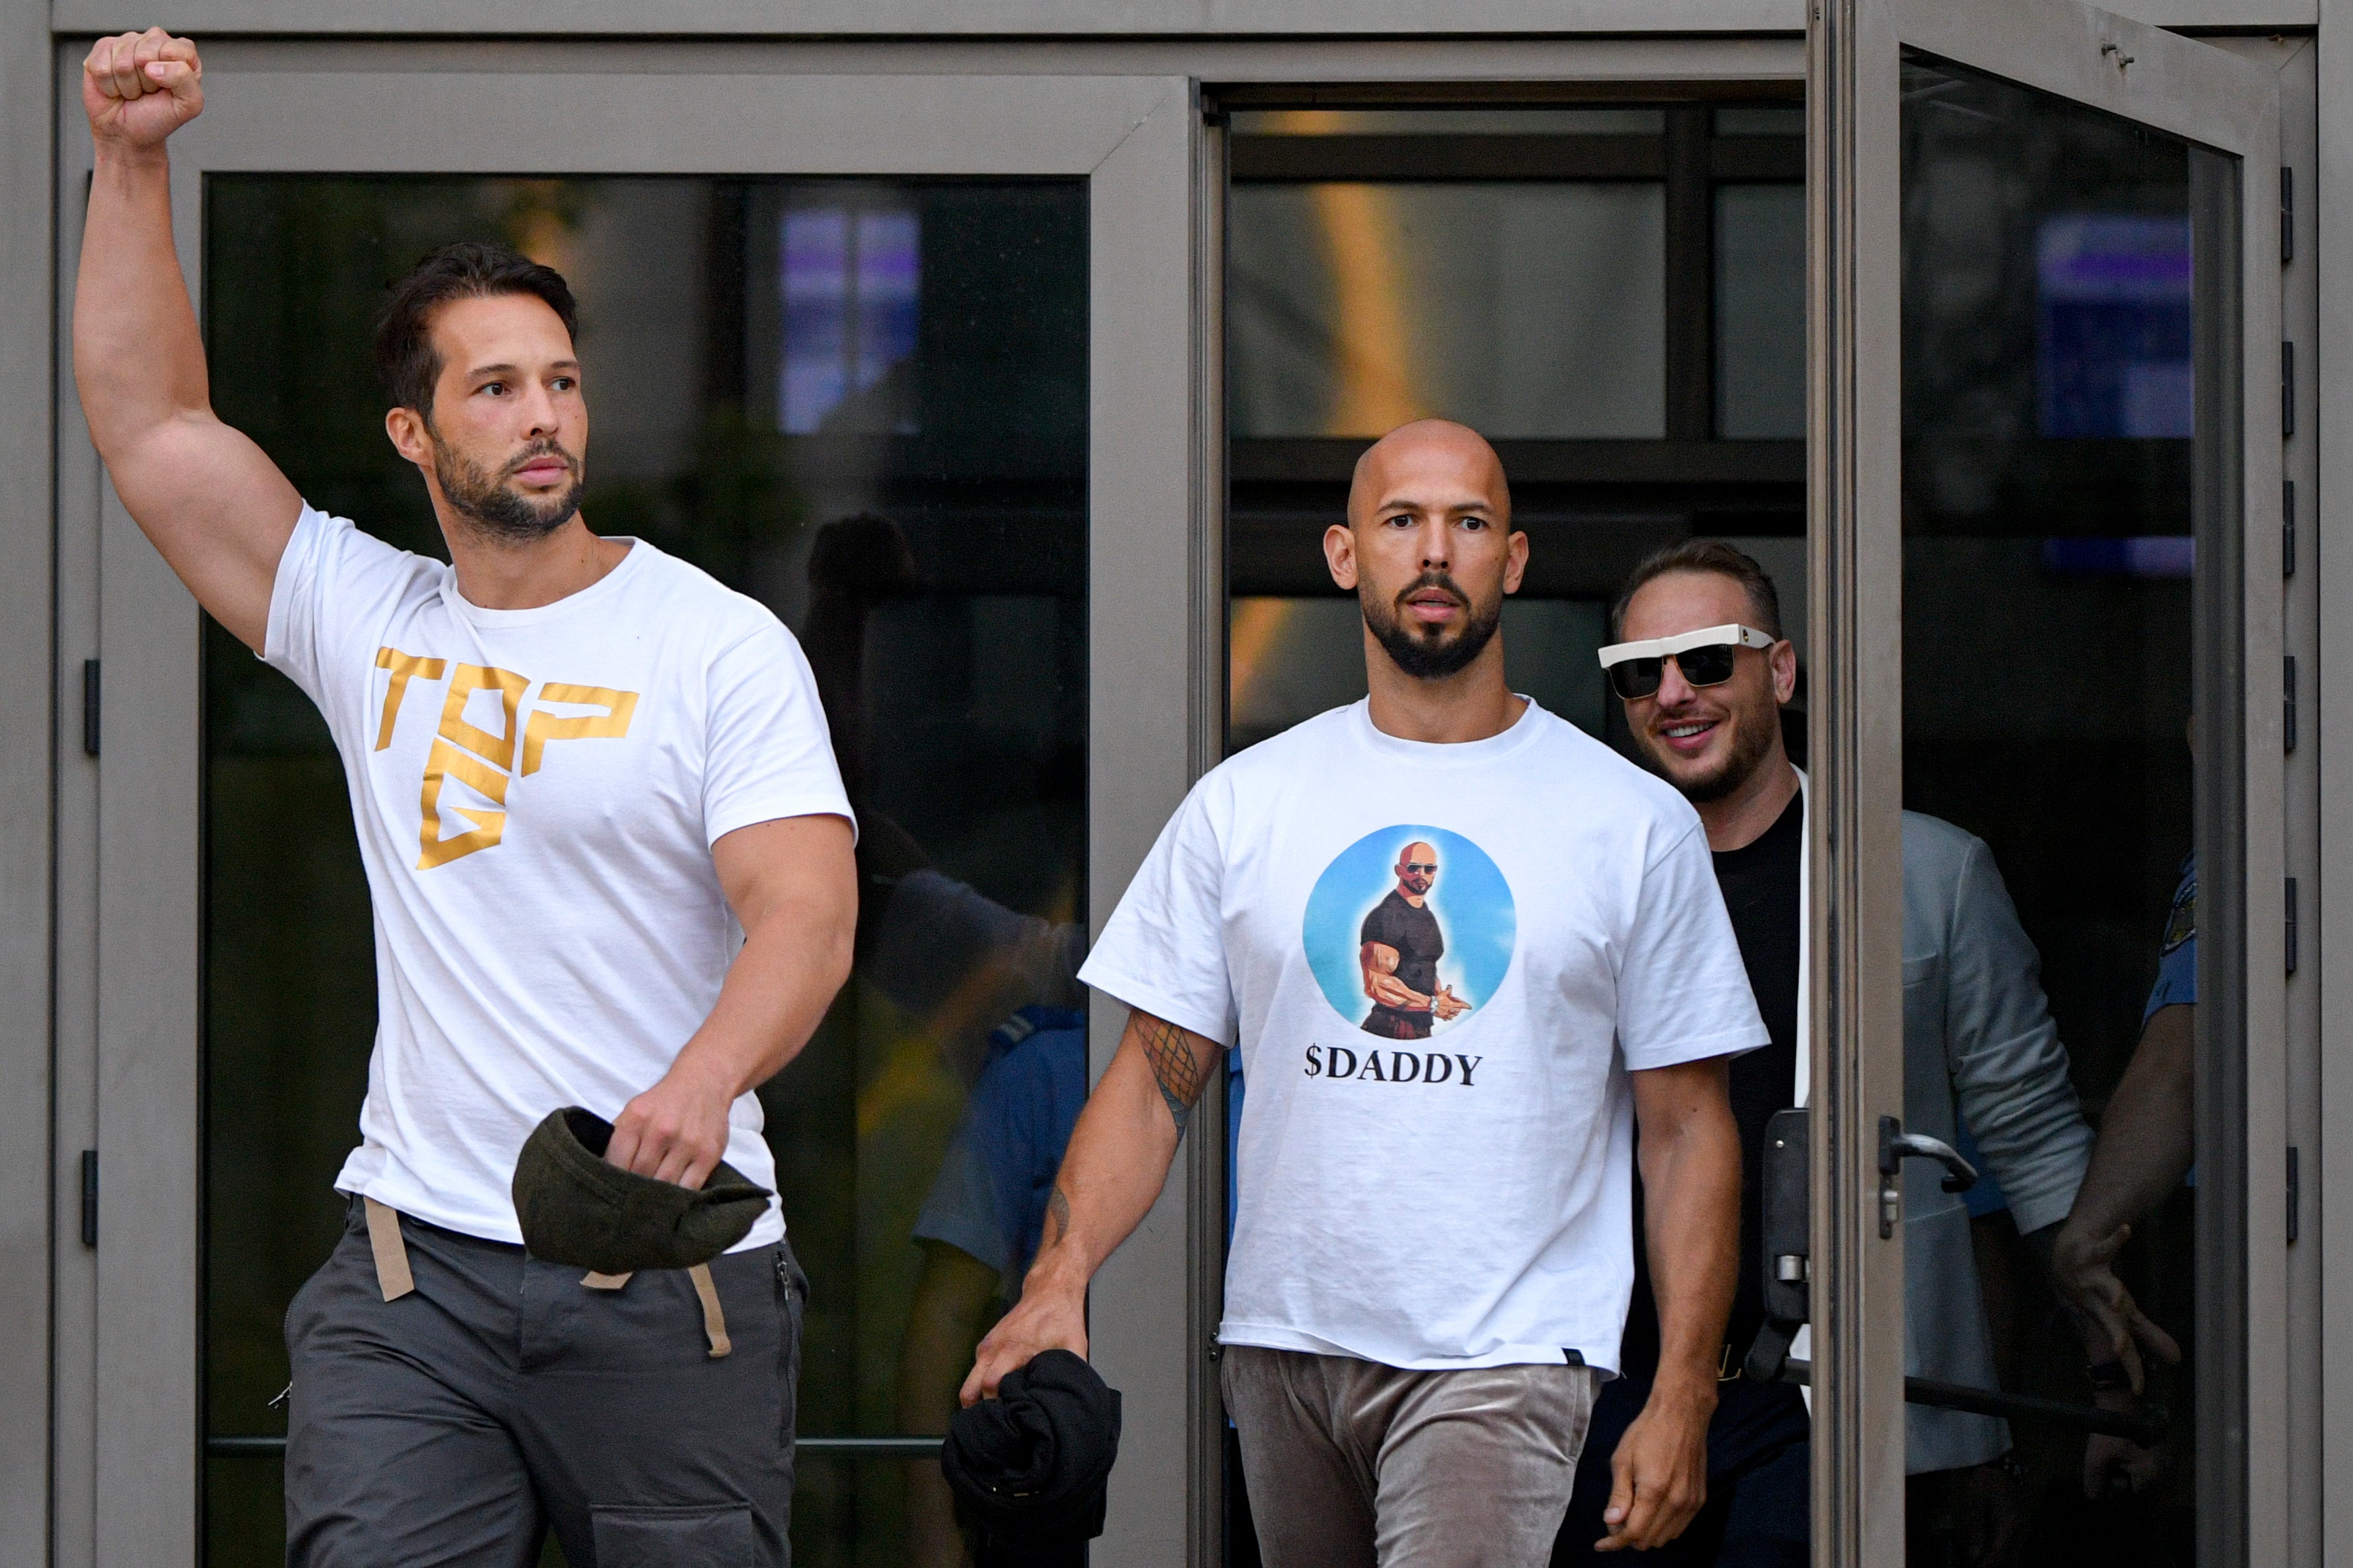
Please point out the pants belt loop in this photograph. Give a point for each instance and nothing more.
(392, 1274)
(715, 1321)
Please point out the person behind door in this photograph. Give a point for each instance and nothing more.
(1979, 1044)
(1432, 1252)
(571, 760)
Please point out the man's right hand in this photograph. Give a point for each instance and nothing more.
(211, 501)
(1047, 1318)
(2083, 1268)
(139, 88)
(1113, 1167)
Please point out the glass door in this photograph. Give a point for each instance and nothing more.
(2048, 972)
(909, 361)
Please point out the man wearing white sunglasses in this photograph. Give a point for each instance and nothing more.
(1699, 661)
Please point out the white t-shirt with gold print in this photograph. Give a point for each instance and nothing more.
(536, 793)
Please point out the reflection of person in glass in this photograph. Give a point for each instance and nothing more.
(1402, 945)
(954, 961)
(1979, 1043)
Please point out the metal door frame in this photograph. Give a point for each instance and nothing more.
(125, 1416)
(1132, 138)
(51, 983)
(1854, 296)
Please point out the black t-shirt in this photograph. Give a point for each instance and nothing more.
(1760, 889)
(1413, 931)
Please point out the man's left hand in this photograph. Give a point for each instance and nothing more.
(1659, 1475)
(676, 1130)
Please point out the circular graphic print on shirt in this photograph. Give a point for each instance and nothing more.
(1409, 931)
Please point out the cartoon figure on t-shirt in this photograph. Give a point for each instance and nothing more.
(1396, 955)
(1401, 947)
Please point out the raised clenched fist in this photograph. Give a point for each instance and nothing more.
(139, 88)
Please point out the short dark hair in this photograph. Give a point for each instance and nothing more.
(1711, 555)
(469, 270)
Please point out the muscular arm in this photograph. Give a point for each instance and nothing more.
(1115, 1166)
(211, 501)
(2145, 1142)
(1691, 1195)
(1379, 961)
(2145, 1145)
(793, 885)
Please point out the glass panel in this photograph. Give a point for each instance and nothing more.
(1761, 120)
(865, 404)
(1526, 309)
(2058, 437)
(1760, 313)
(1611, 121)
(1291, 658)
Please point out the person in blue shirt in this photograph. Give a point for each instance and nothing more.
(989, 1198)
(978, 1230)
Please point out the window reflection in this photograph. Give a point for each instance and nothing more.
(2051, 428)
(1529, 309)
(2112, 351)
(864, 403)
(1760, 311)
(1599, 121)
(852, 285)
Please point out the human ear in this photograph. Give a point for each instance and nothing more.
(1340, 554)
(405, 429)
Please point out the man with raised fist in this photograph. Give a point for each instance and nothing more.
(575, 765)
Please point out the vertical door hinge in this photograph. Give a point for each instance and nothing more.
(2288, 702)
(89, 1198)
(2287, 389)
(2287, 217)
(89, 708)
(2287, 528)
(2291, 925)
(2295, 1192)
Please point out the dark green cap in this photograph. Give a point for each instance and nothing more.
(578, 1210)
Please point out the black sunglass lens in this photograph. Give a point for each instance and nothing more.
(1710, 665)
(1634, 678)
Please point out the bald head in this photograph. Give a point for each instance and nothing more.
(1430, 464)
(1428, 549)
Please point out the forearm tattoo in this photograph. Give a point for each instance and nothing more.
(1058, 1216)
(1180, 1072)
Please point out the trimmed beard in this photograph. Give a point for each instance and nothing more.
(1750, 743)
(482, 498)
(1424, 658)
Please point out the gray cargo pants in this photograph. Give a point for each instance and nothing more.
(1351, 1464)
(502, 1397)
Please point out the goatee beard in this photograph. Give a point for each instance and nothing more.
(1423, 659)
(1749, 745)
(482, 498)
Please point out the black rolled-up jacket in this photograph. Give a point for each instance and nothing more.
(1028, 1467)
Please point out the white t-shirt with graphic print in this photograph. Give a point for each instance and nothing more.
(1439, 962)
(536, 793)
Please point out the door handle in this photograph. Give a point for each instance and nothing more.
(1895, 1146)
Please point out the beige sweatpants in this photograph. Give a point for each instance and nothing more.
(1354, 1465)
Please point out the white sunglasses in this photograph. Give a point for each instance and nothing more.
(1705, 658)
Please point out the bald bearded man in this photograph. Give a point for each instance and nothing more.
(1433, 1251)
